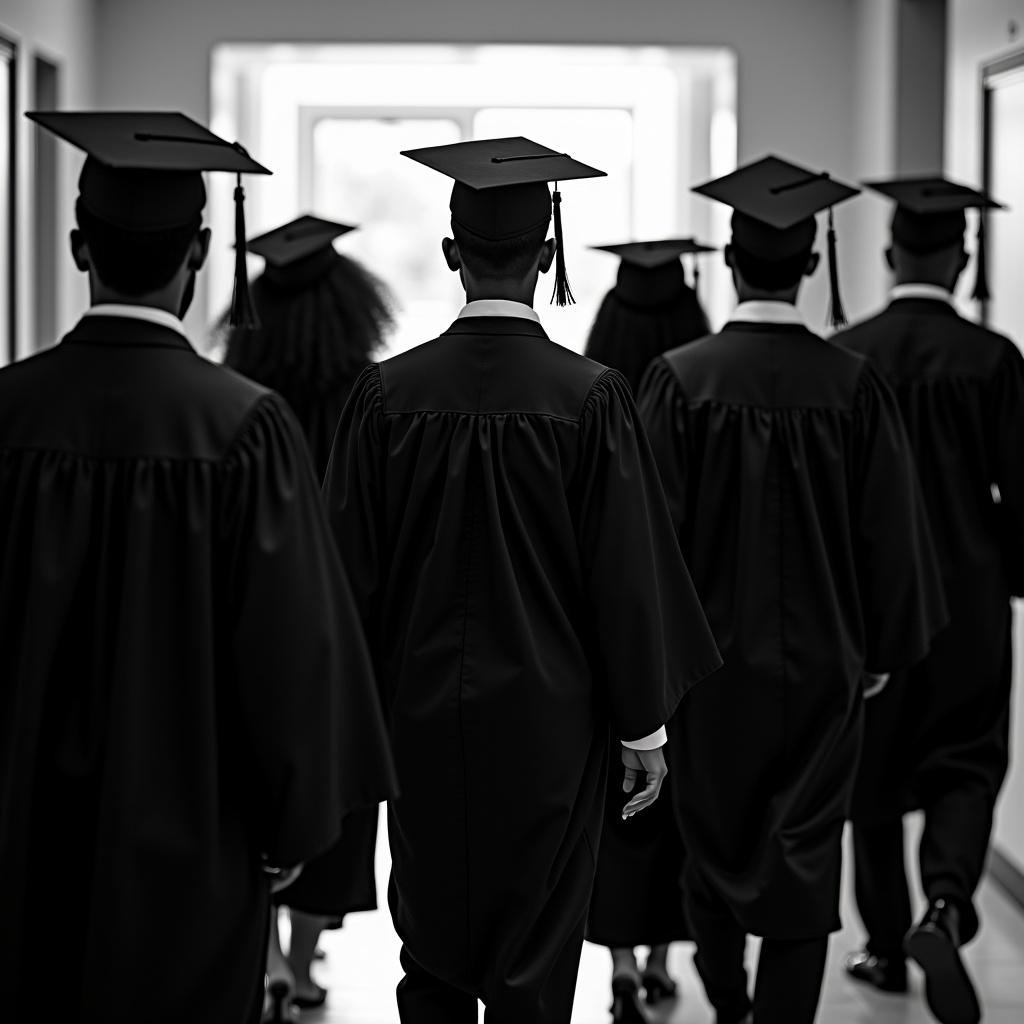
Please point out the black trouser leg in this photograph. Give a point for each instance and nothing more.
(954, 845)
(882, 889)
(789, 977)
(721, 944)
(425, 999)
(546, 994)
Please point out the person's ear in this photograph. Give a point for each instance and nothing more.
(452, 256)
(961, 262)
(198, 250)
(547, 255)
(812, 264)
(890, 259)
(80, 250)
(729, 258)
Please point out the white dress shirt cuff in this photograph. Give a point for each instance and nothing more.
(658, 738)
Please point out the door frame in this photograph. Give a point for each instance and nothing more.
(993, 74)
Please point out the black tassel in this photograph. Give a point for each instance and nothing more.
(836, 313)
(562, 295)
(243, 313)
(696, 277)
(981, 292)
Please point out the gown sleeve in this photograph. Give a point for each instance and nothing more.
(352, 488)
(1007, 410)
(309, 708)
(662, 407)
(653, 639)
(902, 597)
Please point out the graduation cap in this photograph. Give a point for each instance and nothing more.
(300, 251)
(142, 173)
(650, 273)
(501, 190)
(930, 216)
(775, 203)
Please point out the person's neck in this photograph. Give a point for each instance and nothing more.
(758, 295)
(163, 300)
(928, 279)
(509, 291)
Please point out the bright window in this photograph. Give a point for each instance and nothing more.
(331, 121)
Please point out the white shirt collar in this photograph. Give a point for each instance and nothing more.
(499, 307)
(148, 313)
(766, 311)
(921, 291)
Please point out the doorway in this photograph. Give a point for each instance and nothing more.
(331, 121)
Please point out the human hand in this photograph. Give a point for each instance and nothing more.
(652, 764)
(281, 878)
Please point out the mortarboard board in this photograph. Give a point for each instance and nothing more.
(143, 173)
(299, 252)
(296, 240)
(775, 203)
(654, 254)
(929, 216)
(650, 273)
(501, 189)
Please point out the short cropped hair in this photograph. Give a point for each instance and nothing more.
(509, 257)
(771, 275)
(135, 262)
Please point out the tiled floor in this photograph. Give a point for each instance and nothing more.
(362, 969)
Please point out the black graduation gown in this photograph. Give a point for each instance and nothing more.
(318, 416)
(342, 880)
(637, 900)
(791, 485)
(960, 387)
(171, 608)
(495, 501)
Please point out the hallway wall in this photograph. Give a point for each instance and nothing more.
(62, 33)
(980, 33)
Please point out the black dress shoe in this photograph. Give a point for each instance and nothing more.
(318, 998)
(886, 975)
(626, 1001)
(935, 945)
(277, 1007)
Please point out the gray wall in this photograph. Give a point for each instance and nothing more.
(61, 31)
(979, 33)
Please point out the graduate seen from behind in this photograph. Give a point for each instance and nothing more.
(637, 899)
(495, 501)
(937, 740)
(172, 609)
(652, 307)
(321, 316)
(792, 488)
